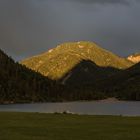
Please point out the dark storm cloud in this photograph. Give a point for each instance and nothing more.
(103, 1)
(20, 27)
(29, 27)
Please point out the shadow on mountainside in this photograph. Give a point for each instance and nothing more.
(86, 72)
(87, 81)
(80, 82)
(124, 84)
(19, 84)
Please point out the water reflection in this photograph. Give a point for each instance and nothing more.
(91, 108)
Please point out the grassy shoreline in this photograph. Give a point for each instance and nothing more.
(41, 126)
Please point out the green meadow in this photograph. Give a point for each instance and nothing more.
(40, 126)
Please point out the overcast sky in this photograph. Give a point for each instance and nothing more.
(29, 27)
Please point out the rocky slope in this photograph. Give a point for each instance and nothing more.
(135, 58)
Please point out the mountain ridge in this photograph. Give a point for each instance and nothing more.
(66, 55)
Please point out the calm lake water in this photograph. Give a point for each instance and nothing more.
(91, 108)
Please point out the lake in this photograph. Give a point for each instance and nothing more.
(124, 108)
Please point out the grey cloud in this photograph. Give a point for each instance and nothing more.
(29, 27)
(103, 1)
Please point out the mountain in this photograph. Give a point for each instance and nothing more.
(135, 58)
(124, 84)
(20, 84)
(60, 61)
(82, 71)
(71, 71)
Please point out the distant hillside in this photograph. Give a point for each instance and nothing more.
(58, 62)
(134, 58)
(124, 84)
(19, 84)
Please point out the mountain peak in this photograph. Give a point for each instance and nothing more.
(58, 61)
(135, 58)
